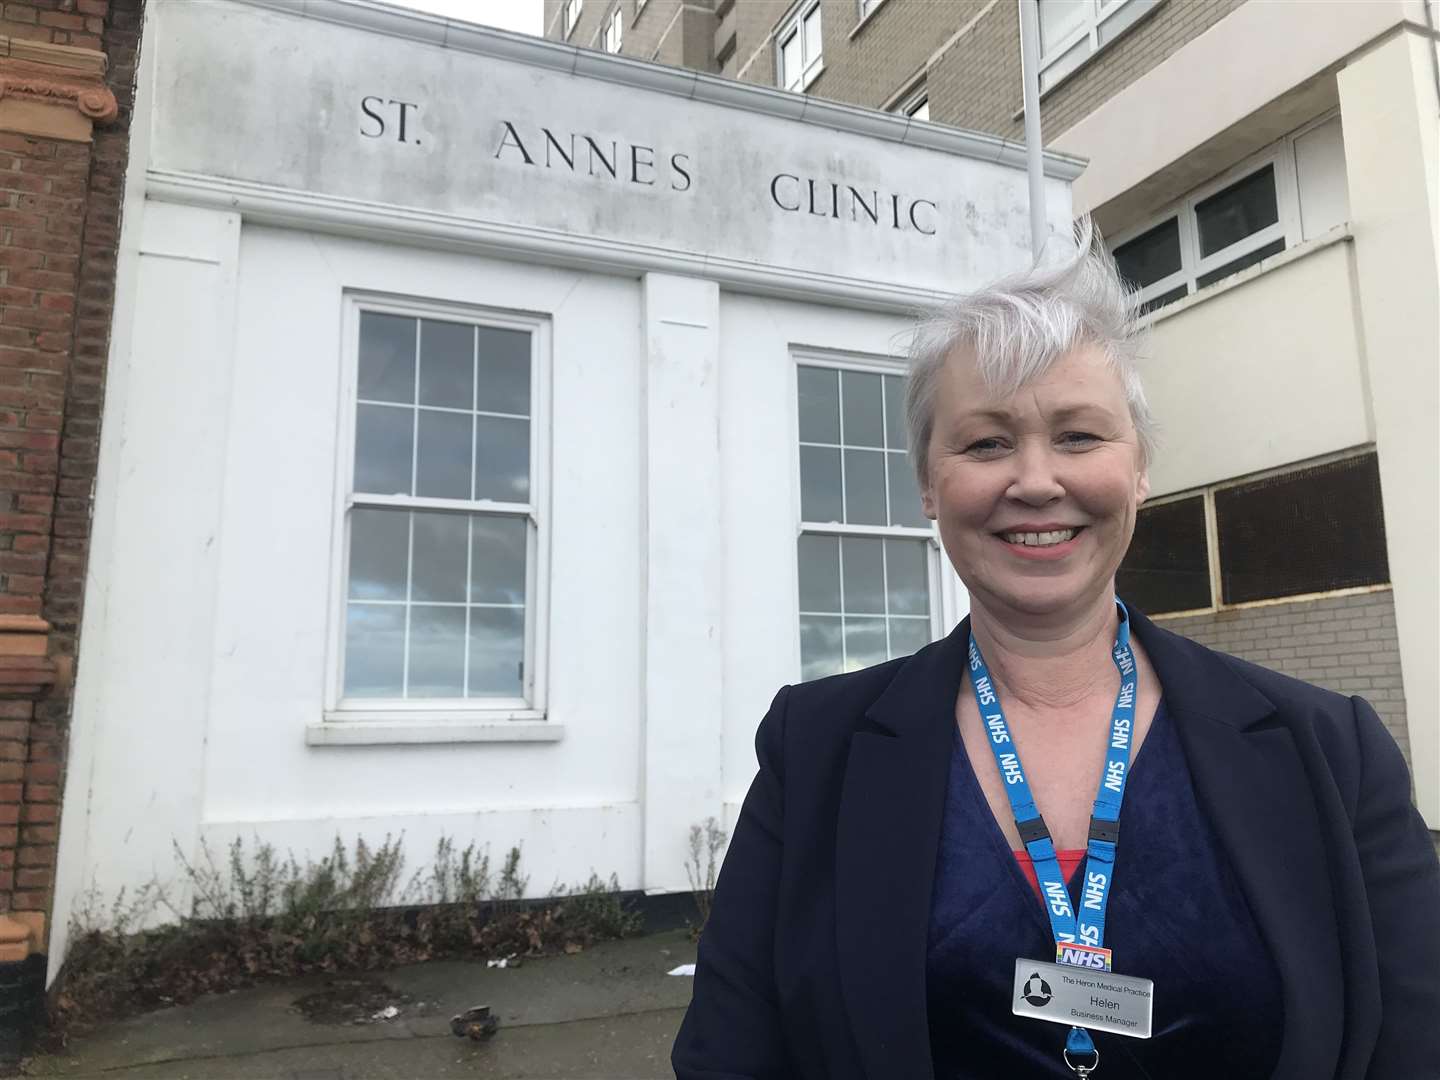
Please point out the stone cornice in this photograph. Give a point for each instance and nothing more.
(53, 91)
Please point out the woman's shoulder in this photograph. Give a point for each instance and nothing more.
(840, 701)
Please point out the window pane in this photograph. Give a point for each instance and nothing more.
(379, 554)
(1068, 62)
(384, 438)
(1060, 18)
(908, 636)
(790, 61)
(1127, 13)
(820, 649)
(907, 577)
(1168, 565)
(497, 649)
(440, 542)
(374, 650)
(864, 643)
(387, 358)
(502, 459)
(1272, 248)
(1241, 210)
(895, 434)
(1157, 302)
(905, 508)
(864, 409)
(498, 552)
(1150, 256)
(863, 560)
(865, 487)
(819, 560)
(1312, 530)
(812, 36)
(437, 652)
(819, 405)
(504, 371)
(819, 484)
(443, 468)
(447, 364)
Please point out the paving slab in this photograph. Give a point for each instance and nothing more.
(611, 1010)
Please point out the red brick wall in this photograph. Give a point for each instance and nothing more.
(59, 229)
(81, 23)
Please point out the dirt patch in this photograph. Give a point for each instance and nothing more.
(351, 1001)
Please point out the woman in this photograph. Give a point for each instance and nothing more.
(1260, 890)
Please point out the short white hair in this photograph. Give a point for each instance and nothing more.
(1021, 325)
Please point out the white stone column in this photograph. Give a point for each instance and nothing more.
(1388, 107)
(681, 773)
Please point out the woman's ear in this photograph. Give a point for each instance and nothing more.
(1142, 487)
(927, 500)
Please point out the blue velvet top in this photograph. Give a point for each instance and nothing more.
(1176, 916)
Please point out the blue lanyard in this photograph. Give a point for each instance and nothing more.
(1089, 928)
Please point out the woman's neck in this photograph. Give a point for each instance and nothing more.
(1048, 664)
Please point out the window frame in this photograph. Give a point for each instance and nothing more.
(612, 31)
(532, 706)
(941, 604)
(1102, 13)
(1281, 156)
(793, 25)
(864, 9)
(1212, 536)
(570, 16)
(914, 99)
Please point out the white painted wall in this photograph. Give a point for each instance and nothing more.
(1392, 152)
(143, 693)
(1238, 390)
(304, 129)
(1249, 58)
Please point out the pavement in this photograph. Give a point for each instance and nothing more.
(607, 1013)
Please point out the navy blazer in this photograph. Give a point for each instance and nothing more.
(813, 961)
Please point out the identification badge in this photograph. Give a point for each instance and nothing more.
(1082, 997)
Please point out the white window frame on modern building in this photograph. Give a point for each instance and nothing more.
(1106, 22)
(569, 15)
(443, 719)
(865, 8)
(612, 30)
(1193, 266)
(941, 604)
(793, 26)
(915, 103)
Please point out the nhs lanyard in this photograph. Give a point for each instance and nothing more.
(1089, 929)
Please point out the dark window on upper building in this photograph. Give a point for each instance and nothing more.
(1167, 567)
(1313, 530)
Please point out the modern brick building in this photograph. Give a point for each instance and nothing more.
(66, 73)
(1265, 173)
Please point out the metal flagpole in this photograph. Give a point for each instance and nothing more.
(1034, 163)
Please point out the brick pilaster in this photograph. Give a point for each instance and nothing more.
(66, 84)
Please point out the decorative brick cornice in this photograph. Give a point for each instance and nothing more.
(26, 671)
(53, 91)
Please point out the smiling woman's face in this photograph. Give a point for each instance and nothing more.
(1035, 494)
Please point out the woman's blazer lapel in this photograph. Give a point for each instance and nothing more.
(1253, 786)
(891, 805)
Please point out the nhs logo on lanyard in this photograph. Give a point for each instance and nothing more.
(1086, 956)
